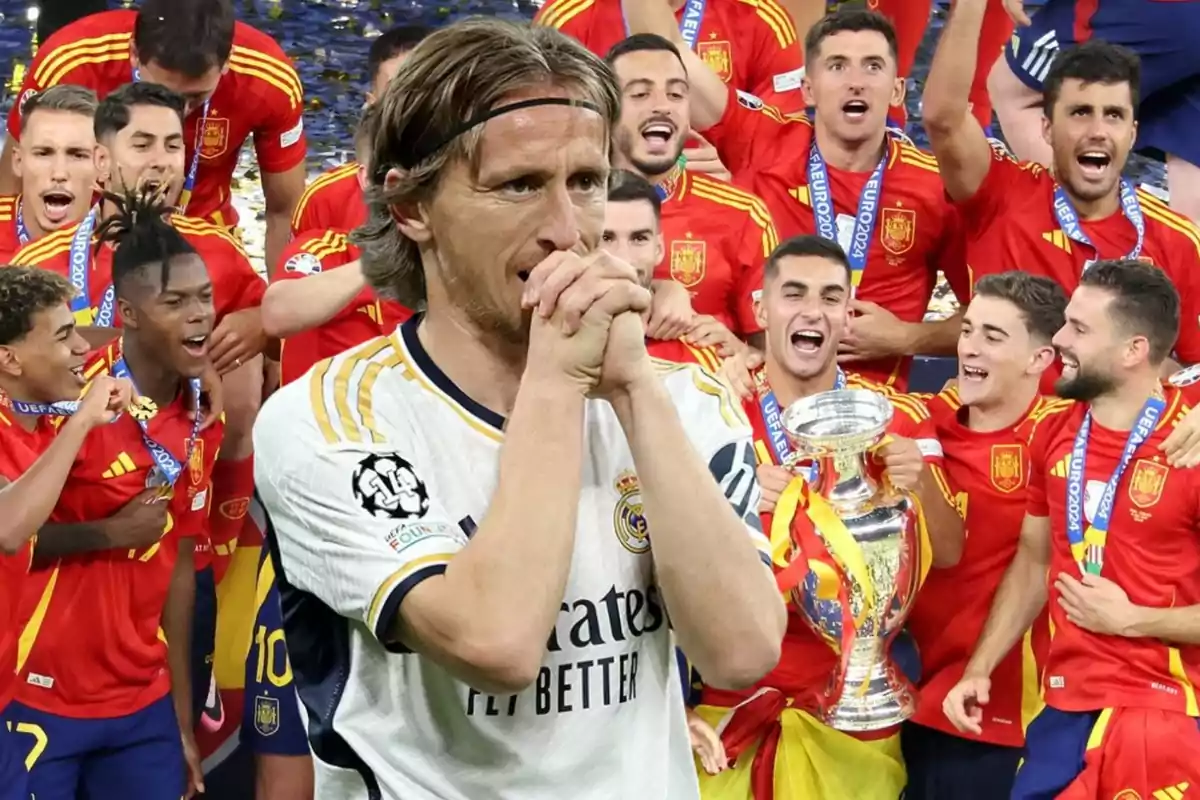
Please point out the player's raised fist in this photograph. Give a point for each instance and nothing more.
(106, 399)
(569, 283)
(964, 703)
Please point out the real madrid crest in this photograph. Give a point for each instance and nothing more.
(628, 522)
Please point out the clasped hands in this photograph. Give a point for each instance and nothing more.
(587, 326)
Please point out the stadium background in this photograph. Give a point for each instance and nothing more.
(328, 40)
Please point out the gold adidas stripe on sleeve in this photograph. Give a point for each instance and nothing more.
(269, 70)
(775, 18)
(557, 13)
(93, 50)
(341, 392)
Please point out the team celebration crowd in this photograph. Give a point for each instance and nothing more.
(567, 449)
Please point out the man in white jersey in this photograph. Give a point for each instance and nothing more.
(480, 522)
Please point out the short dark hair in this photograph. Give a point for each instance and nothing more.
(141, 235)
(850, 20)
(629, 187)
(113, 112)
(1145, 301)
(1094, 61)
(642, 43)
(190, 37)
(1041, 301)
(803, 246)
(391, 43)
(24, 293)
(64, 97)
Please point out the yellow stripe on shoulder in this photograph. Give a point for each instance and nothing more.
(341, 392)
(558, 13)
(735, 199)
(194, 226)
(915, 158)
(328, 178)
(775, 18)
(1182, 226)
(327, 245)
(706, 357)
(93, 50)
(45, 248)
(269, 70)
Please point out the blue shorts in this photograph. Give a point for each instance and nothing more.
(204, 636)
(14, 780)
(1162, 34)
(271, 721)
(136, 756)
(1055, 748)
(945, 767)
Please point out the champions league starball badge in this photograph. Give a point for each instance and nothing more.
(387, 486)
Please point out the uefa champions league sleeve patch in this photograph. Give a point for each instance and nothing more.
(747, 100)
(387, 486)
(1185, 377)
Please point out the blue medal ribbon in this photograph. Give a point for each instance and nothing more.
(22, 230)
(772, 415)
(1068, 218)
(79, 273)
(821, 197)
(167, 468)
(189, 182)
(666, 187)
(1087, 547)
(63, 408)
(689, 26)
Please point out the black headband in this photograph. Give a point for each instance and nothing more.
(420, 153)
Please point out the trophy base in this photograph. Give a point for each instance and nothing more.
(874, 697)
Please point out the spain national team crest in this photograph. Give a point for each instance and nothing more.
(1127, 794)
(1008, 470)
(1147, 482)
(688, 259)
(214, 141)
(899, 230)
(628, 521)
(266, 715)
(717, 56)
(196, 463)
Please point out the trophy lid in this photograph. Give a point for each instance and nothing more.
(845, 420)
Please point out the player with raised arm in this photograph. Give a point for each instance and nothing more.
(843, 177)
(334, 200)
(1057, 222)
(1109, 538)
(716, 235)
(508, 494)
(774, 727)
(106, 685)
(42, 360)
(237, 83)
(55, 165)
(750, 45)
(984, 423)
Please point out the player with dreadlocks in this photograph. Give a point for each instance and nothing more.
(112, 695)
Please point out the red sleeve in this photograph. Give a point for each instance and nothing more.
(951, 255)
(236, 286)
(317, 251)
(776, 64)
(752, 133)
(1185, 274)
(569, 16)
(758, 240)
(1035, 503)
(77, 68)
(1006, 178)
(279, 137)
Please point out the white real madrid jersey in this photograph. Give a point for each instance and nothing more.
(374, 470)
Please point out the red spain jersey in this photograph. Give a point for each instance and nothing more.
(99, 652)
(989, 473)
(680, 352)
(716, 238)
(1152, 552)
(19, 449)
(259, 96)
(10, 239)
(365, 317)
(917, 231)
(750, 44)
(1011, 224)
(236, 286)
(334, 201)
(807, 662)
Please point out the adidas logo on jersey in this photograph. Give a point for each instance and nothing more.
(123, 465)
(1175, 792)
